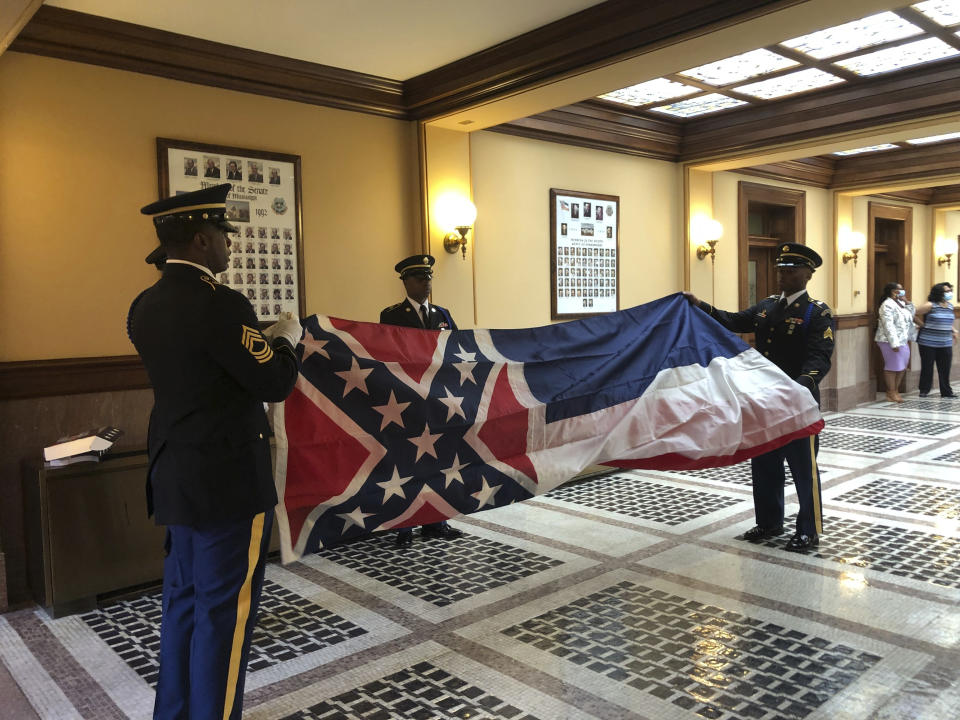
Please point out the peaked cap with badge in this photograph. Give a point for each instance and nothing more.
(415, 264)
(797, 255)
(189, 208)
(405, 314)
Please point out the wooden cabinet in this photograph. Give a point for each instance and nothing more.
(88, 532)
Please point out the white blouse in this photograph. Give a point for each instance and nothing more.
(895, 324)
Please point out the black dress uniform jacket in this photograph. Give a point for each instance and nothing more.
(403, 313)
(211, 370)
(798, 340)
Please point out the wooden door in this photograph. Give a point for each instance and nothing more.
(761, 274)
(889, 266)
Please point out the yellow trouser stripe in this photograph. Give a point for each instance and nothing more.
(815, 486)
(243, 612)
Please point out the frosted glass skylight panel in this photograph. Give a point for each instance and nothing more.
(868, 148)
(795, 82)
(900, 57)
(944, 12)
(934, 138)
(651, 91)
(872, 30)
(700, 105)
(740, 67)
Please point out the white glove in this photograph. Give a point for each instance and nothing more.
(286, 327)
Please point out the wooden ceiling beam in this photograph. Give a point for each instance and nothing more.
(902, 96)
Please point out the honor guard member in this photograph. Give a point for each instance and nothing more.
(416, 311)
(795, 332)
(210, 477)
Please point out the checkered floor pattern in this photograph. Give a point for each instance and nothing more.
(421, 692)
(926, 556)
(647, 606)
(912, 497)
(628, 495)
(892, 425)
(710, 661)
(289, 626)
(441, 572)
(833, 440)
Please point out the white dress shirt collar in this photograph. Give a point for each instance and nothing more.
(792, 298)
(187, 262)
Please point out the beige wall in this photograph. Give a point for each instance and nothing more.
(77, 161)
(512, 178)
(948, 228)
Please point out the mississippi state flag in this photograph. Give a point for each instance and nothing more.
(391, 427)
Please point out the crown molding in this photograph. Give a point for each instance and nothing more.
(611, 31)
(594, 125)
(77, 36)
(615, 29)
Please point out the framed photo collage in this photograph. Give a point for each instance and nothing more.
(584, 250)
(266, 256)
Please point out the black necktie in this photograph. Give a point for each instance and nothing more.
(423, 316)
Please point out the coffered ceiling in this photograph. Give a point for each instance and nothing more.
(546, 69)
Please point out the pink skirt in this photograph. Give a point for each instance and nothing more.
(894, 360)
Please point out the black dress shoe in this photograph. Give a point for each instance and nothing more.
(923, 394)
(441, 530)
(951, 395)
(758, 533)
(404, 538)
(802, 543)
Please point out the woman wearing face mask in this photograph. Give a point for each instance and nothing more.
(894, 323)
(936, 338)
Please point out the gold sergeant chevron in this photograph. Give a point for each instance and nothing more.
(257, 344)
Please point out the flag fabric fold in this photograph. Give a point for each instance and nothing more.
(392, 427)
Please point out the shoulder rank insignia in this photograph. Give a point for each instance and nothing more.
(256, 344)
(209, 281)
(828, 334)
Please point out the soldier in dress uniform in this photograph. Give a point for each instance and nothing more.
(210, 475)
(416, 311)
(795, 332)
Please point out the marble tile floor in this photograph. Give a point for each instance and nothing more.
(621, 596)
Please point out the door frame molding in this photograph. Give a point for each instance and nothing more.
(881, 211)
(748, 192)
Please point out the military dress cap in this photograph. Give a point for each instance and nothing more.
(206, 205)
(797, 255)
(415, 264)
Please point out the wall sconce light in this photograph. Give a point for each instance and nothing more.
(705, 232)
(849, 255)
(851, 243)
(945, 249)
(455, 215)
(709, 249)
